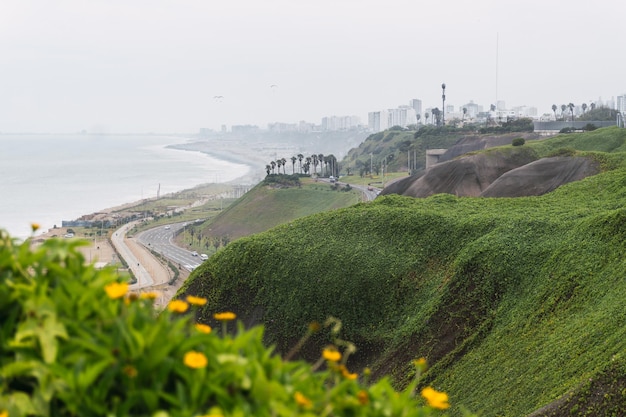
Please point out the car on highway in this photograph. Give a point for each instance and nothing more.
(204, 256)
(194, 253)
(370, 188)
(167, 228)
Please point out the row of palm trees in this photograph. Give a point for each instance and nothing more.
(571, 107)
(329, 162)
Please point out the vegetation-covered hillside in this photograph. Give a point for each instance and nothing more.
(396, 144)
(276, 200)
(517, 302)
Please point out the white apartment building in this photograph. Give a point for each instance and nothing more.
(620, 104)
(402, 116)
(340, 122)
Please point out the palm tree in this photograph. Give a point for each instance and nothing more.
(593, 106)
(268, 168)
(279, 163)
(563, 107)
(314, 159)
(571, 110)
(293, 164)
(300, 158)
(426, 115)
(273, 163)
(554, 110)
(284, 162)
(320, 158)
(464, 113)
(584, 106)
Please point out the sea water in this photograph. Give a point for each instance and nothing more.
(45, 179)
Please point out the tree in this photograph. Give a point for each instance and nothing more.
(464, 113)
(563, 107)
(426, 117)
(315, 162)
(273, 163)
(593, 106)
(293, 164)
(584, 106)
(571, 109)
(278, 164)
(554, 110)
(300, 158)
(320, 158)
(283, 161)
(268, 168)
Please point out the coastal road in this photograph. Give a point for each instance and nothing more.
(144, 278)
(161, 240)
(369, 194)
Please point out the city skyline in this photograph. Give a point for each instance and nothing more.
(162, 66)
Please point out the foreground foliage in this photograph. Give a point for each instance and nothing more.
(75, 342)
(517, 302)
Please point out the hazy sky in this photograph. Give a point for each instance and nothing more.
(156, 65)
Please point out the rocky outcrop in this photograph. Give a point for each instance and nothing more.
(505, 172)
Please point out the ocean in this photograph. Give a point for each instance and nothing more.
(45, 179)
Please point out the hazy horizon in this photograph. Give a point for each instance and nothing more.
(166, 67)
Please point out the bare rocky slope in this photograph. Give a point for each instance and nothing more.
(503, 172)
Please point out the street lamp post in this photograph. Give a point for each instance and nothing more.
(443, 110)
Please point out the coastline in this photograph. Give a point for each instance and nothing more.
(241, 155)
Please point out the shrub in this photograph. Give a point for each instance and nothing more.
(518, 142)
(75, 342)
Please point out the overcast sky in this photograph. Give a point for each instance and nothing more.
(157, 65)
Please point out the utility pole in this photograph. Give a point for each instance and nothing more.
(443, 110)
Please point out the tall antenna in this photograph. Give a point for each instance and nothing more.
(497, 48)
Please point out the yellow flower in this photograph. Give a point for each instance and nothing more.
(116, 289)
(195, 360)
(420, 365)
(435, 398)
(302, 400)
(331, 355)
(4, 413)
(203, 328)
(196, 301)
(34, 227)
(348, 375)
(226, 316)
(150, 295)
(130, 370)
(177, 306)
(363, 397)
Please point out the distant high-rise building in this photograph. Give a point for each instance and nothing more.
(620, 104)
(378, 120)
(403, 116)
(416, 105)
(472, 109)
(334, 123)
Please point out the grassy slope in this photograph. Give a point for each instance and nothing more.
(264, 207)
(515, 302)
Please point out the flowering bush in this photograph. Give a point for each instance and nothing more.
(75, 342)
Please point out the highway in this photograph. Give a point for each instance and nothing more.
(118, 239)
(160, 239)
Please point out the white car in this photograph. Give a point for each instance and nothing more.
(194, 253)
(204, 256)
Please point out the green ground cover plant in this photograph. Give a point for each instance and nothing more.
(75, 342)
(516, 302)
